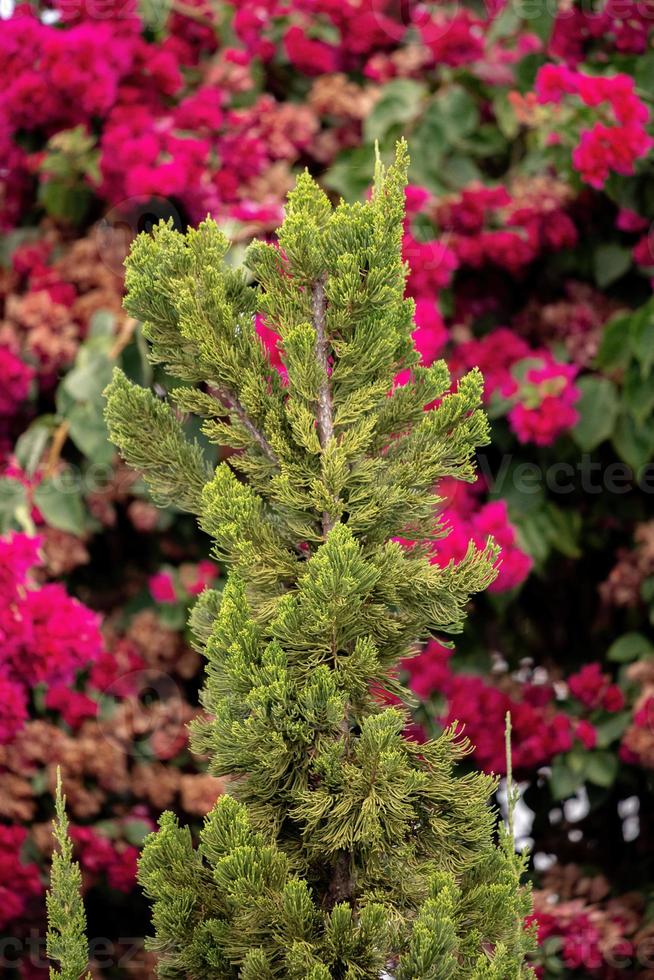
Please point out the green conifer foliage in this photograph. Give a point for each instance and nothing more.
(344, 850)
(66, 940)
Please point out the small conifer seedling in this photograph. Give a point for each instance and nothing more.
(66, 940)
(342, 850)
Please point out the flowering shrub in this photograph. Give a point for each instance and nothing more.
(530, 244)
(21, 879)
(465, 520)
(46, 635)
(614, 145)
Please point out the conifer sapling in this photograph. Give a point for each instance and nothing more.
(66, 940)
(342, 850)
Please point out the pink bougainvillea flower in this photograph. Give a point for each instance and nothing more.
(162, 587)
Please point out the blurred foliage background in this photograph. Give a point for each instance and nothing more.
(529, 240)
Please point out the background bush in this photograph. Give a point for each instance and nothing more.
(529, 238)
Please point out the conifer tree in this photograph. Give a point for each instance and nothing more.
(342, 850)
(66, 940)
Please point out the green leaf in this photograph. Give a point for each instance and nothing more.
(532, 539)
(172, 615)
(459, 113)
(349, 173)
(614, 347)
(577, 760)
(563, 530)
(400, 102)
(429, 145)
(65, 202)
(88, 432)
(505, 24)
(444, 126)
(486, 141)
(13, 497)
(602, 768)
(647, 589)
(645, 73)
(89, 377)
(549, 528)
(527, 69)
(11, 240)
(505, 117)
(541, 20)
(638, 393)
(612, 729)
(61, 506)
(154, 13)
(136, 831)
(31, 444)
(628, 647)
(103, 324)
(520, 484)
(458, 170)
(40, 783)
(641, 337)
(629, 334)
(598, 410)
(633, 443)
(563, 781)
(610, 263)
(552, 945)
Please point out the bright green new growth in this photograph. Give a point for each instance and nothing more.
(66, 940)
(344, 850)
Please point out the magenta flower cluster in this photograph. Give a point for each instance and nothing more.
(46, 636)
